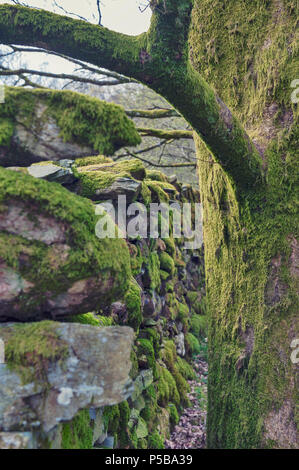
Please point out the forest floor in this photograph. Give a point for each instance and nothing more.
(190, 432)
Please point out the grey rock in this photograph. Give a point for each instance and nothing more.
(179, 341)
(52, 172)
(16, 440)
(94, 373)
(108, 442)
(121, 186)
(172, 179)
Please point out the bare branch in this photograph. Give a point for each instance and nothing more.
(160, 165)
(6, 72)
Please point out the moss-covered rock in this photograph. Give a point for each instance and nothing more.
(55, 264)
(37, 124)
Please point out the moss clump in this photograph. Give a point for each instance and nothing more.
(91, 319)
(31, 348)
(156, 176)
(82, 119)
(6, 131)
(173, 415)
(167, 263)
(84, 319)
(95, 160)
(154, 337)
(155, 441)
(145, 347)
(199, 326)
(192, 344)
(78, 433)
(166, 387)
(154, 270)
(133, 302)
(183, 315)
(100, 176)
(170, 245)
(185, 369)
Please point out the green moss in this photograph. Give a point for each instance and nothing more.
(153, 336)
(32, 347)
(84, 319)
(155, 441)
(192, 343)
(145, 347)
(133, 302)
(88, 255)
(185, 369)
(154, 270)
(101, 176)
(6, 131)
(156, 175)
(170, 245)
(78, 433)
(173, 415)
(134, 369)
(166, 263)
(183, 315)
(95, 160)
(166, 387)
(199, 326)
(111, 418)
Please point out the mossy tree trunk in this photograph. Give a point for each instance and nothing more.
(246, 51)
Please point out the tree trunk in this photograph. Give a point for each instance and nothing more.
(246, 51)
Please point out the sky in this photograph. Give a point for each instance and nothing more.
(123, 16)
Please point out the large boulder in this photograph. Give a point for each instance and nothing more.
(51, 262)
(40, 125)
(55, 369)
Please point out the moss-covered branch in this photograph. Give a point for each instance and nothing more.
(159, 59)
(166, 134)
(152, 113)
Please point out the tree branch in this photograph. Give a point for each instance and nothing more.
(6, 72)
(152, 113)
(159, 59)
(161, 165)
(165, 133)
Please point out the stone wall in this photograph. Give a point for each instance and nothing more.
(100, 356)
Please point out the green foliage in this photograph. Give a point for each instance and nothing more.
(199, 326)
(173, 415)
(166, 263)
(6, 131)
(155, 441)
(133, 302)
(78, 433)
(192, 343)
(31, 347)
(145, 347)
